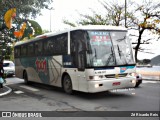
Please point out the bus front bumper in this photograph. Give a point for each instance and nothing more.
(105, 85)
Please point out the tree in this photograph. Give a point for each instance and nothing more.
(24, 10)
(114, 15)
(146, 18)
(141, 18)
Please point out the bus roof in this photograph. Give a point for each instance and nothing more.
(99, 27)
(87, 27)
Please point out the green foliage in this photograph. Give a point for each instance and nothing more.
(37, 28)
(45, 31)
(93, 20)
(24, 9)
(114, 16)
(149, 21)
(69, 23)
(144, 61)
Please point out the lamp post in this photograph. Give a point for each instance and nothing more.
(50, 25)
(125, 13)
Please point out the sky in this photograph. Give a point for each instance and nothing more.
(65, 9)
(69, 9)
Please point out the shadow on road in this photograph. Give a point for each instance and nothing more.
(100, 95)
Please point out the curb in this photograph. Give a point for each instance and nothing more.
(150, 80)
(7, 92)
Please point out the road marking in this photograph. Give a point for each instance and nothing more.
(18, 92)
(29, 88)
(7, 92)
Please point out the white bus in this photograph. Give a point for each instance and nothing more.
(88, 59)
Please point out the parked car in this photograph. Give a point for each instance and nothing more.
(9, 68)
(138, 80)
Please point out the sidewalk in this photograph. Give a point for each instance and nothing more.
(150, 75)
(151, 78)
(5, 90)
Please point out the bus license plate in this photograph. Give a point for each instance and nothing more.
(116, 83)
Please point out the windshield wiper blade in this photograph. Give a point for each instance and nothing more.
(110, 56)
(119, 40)
(120, 54)
(119, 51)
(95, 53)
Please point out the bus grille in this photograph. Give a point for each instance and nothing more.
(113, 75)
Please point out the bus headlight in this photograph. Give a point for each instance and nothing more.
(132, 74)
(98, 77)
(96, 85)
(134, 81)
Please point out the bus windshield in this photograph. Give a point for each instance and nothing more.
(109, 48)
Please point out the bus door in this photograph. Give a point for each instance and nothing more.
(78, 54)
(81, 60)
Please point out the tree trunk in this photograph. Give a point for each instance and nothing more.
(139, 41)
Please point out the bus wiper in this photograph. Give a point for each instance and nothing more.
(110, 56)
(119, 51)
(120, 54)
(119, 40)
(95, 53)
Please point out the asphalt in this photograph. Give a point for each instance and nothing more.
(6, 90)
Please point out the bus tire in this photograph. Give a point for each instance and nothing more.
(25, 77)
(67, 84)
(137, 85)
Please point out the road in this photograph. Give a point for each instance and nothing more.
(37, 97)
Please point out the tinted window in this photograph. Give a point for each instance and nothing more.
(31, 49)
(17, 51)
(78, 48)
(23, 50)
(38, 48)
(5, 64)
(56, 45)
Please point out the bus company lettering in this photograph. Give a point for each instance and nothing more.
(41, 65)
(123, 69)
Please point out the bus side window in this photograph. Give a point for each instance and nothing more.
(50, 46)
(73, 49)
(17, 52)
(57, 48)
(81, 48)
(64, 44)
(45, 47)
(78, 47)
(38, 48)
(23, 50)
(30, 49)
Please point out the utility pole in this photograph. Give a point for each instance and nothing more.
(125, 13)
(50, 25)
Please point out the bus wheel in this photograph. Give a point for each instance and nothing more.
(25, 77)
(67, 84)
